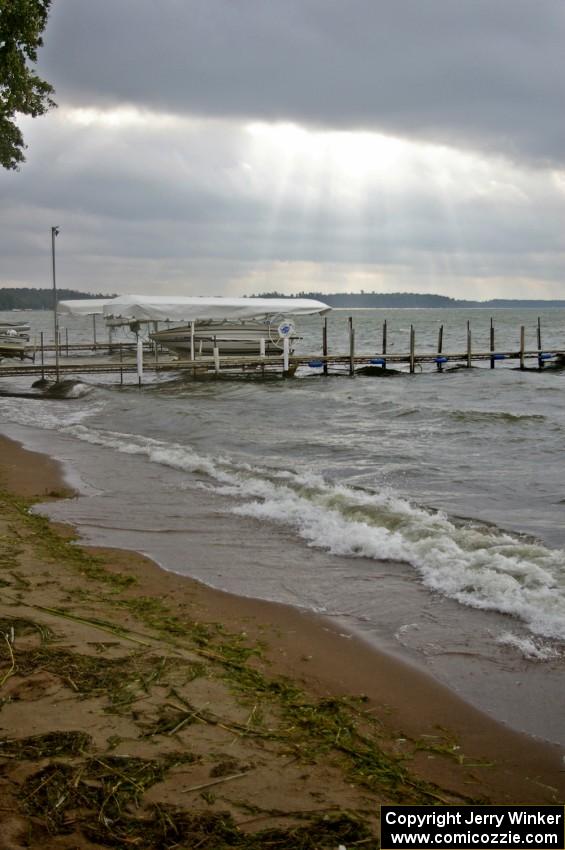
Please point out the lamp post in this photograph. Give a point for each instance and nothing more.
(54, 233)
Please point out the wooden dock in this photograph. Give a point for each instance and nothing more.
(124, 359)
(325, 364)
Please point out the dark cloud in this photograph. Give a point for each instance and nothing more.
(169, 168)
(130, 221)
(470, 73)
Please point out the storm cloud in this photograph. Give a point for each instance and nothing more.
(486, 73)
(236, 147)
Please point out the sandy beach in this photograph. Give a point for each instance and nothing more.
(141, 708)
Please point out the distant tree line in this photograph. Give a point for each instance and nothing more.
(39, 299)
(407, 299)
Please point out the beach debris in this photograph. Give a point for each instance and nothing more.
(49, 745)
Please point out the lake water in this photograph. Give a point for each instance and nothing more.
(424, 512)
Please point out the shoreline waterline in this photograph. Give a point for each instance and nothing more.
(168, 505)
(314, 649)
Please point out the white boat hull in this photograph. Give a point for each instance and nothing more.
(232, 339)
(13, 347)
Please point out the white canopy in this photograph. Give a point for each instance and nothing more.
(170, 308)
(84, 307)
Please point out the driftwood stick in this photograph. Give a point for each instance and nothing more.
(215, 782)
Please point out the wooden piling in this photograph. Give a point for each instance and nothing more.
(385, 333)
(139, 360)
(440, 347)
(412, 350)
(492, 343)
(540, 360)
(42, 358)
(325, 344)
(469, 355)
(121, 365)
(155, 343)
(94, 329)
(351, 347)
(522, 346)
(286, 355)
(192, 354)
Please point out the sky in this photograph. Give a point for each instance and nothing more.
(243, 146)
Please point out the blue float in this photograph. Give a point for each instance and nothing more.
(315, 364)
(499, 356)
(441, 359)
(546, 356)
(378, 361)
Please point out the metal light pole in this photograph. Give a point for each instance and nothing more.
(54, 233)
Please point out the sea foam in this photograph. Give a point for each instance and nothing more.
(478, 565)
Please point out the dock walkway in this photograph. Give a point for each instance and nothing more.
(328, 364)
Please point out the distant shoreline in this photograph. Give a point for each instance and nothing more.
(24, 299)
(412, 300)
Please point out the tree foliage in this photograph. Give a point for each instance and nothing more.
(21, 90)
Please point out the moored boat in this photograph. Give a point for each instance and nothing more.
(197, 325)
(230, 338)
(13, 344)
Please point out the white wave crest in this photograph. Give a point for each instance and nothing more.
(477, 565)
(49, 415)
(533, 650)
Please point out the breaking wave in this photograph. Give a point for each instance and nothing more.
(476, 564)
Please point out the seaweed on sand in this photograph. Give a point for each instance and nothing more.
(19, 626)
(103, 795)
(167, 827)
(120, 680)
(100, 790)
(50, 745)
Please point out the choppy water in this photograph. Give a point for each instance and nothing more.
(425, 511)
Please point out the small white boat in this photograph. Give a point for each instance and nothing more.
(13, 345)
(230, 338)
(18, 327)
(235, 326)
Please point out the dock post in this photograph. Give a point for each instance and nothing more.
(67, 340)
(156, 344)
(286, 353)
(384, 341)
(540, 361)
(469, 356)
(412, 350)
(42, 358)
(522, 346)
(325, 344)
(216, 351)
(139, 360)
(351, 347)
(94, 329)
(192, 349)
(492, 343)
(440, 347)
(262, 354)
(121, 365)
